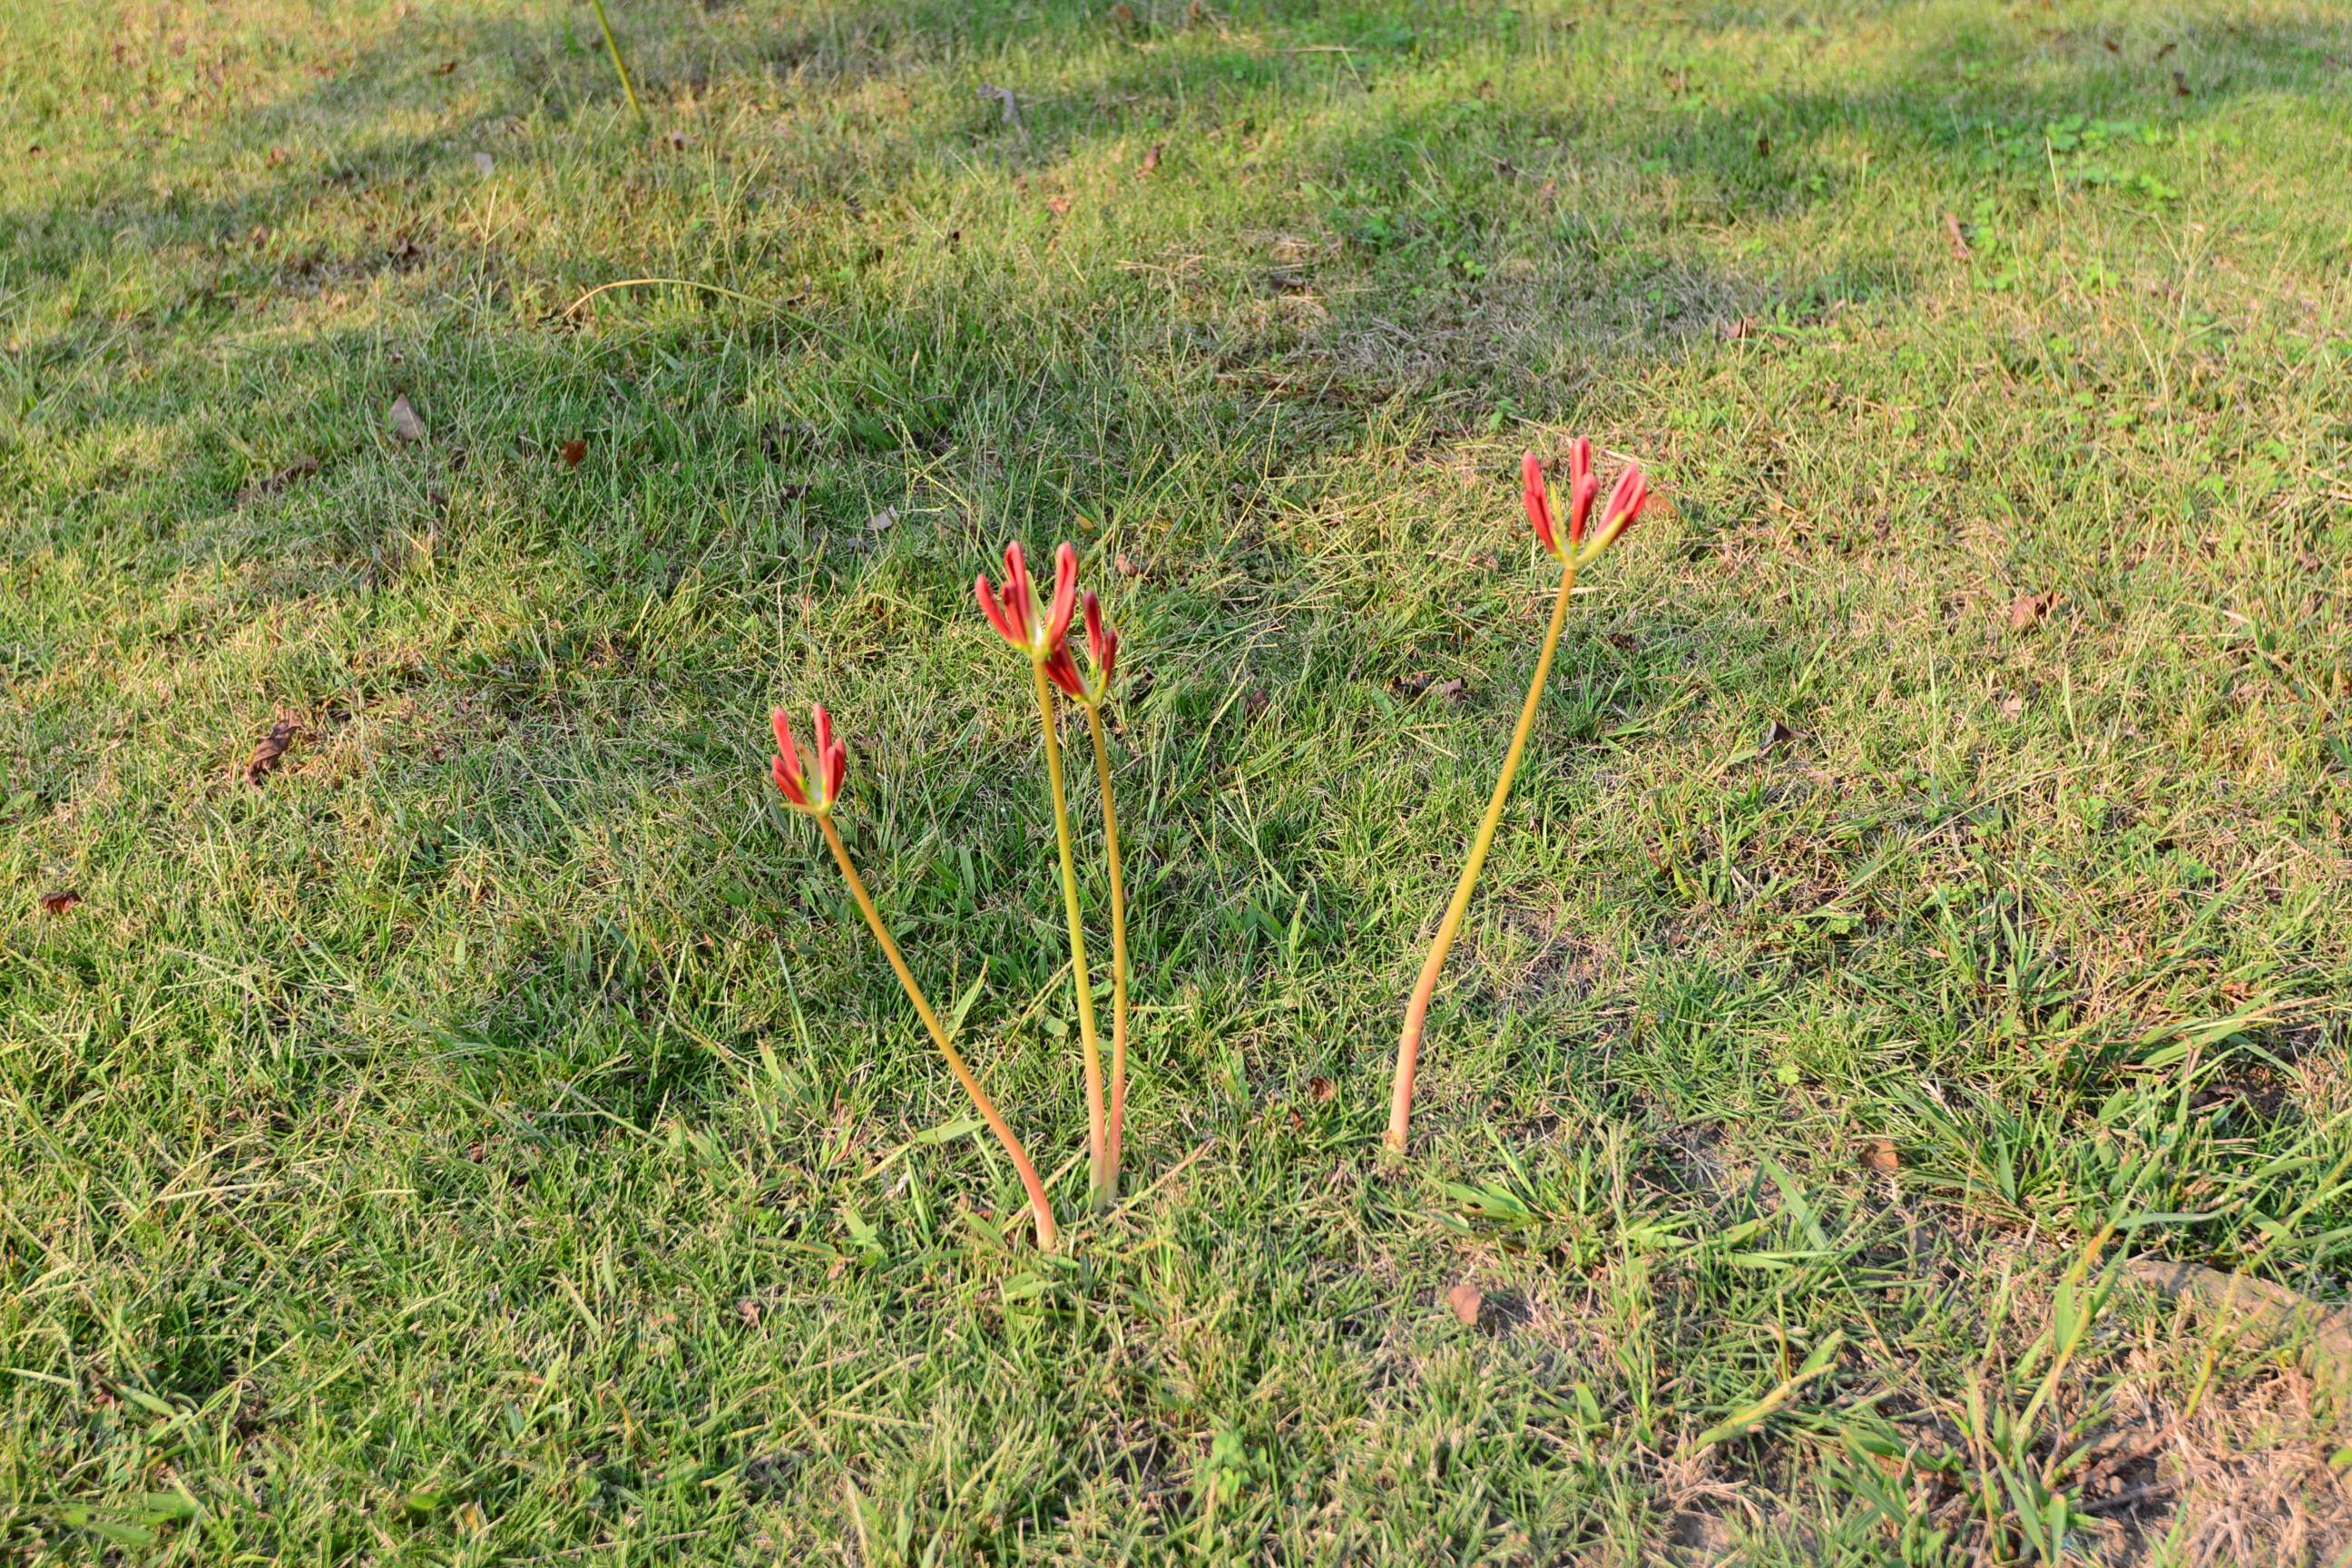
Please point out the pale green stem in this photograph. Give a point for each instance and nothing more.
(1409, 1046)
(1048, 1237)
(1118, 950)
(1098, 1131)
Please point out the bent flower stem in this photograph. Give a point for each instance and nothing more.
(1573, 551)
(1040, 1205)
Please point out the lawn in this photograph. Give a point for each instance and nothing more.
(476, 1127)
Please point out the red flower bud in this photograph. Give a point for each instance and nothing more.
(1582, 488)
(1065, 594)
(786, 766)
(1625, 500)
(1063, 671)
(1102, 641)
(1539, 501)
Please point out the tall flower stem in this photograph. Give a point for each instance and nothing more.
(1417, 1011)
(1097, 1131)
(1048, 1237)
(612, 47)
(1117, 949)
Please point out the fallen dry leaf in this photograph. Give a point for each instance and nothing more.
(1151, 159)
(1411, 684)
(1737, 330)
(1320, 1087)
(749, 1310)
(2012, 708)
(1255, 703)
(1952, 232)
(1456, 691)
(2026, 610)
(574, 450)
(271, 747)
(679, 140)
(1058, 206)
(1465, 1298)
(61, 901)
(302, 467)
(1878, 1156)
(885, 518)
(405, 422)
(1775, 735)
(1127, 566)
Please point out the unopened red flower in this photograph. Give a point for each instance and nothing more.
(1538, 500)
(1582, 488)
(815, 794)
(1102, 639)
(1625, 501)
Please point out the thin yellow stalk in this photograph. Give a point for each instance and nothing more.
(1098, 1133)
(612, 47)
(1117, 949)
(1048, 1237)
(1409, 1046)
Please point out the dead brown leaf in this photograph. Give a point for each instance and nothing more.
(1321, 1088)
(272, 746)
(1128, 566)
(1151, 158)
(406, 425)
(1959, 240)
(2025, 611)
(574, 451)
(59, 901)
(302, 467)
(1411, 684)
(1456, 691)
(1737, 330)
(1877, 1156)
(749, 1310)
(679, 140)
(1058, 206)
(1255, 703)
(1465, 1300)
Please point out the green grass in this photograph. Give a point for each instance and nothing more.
(493, 1137)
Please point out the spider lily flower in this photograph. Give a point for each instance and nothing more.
(1582, 489)
(813, 786)
(1012, 609)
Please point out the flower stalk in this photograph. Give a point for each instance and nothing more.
(1042, 632)
(813, 792)
(1624, 504)
(1092, 692)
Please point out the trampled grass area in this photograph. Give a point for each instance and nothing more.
(492, 1137)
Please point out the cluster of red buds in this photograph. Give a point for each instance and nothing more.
(1583, 488)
